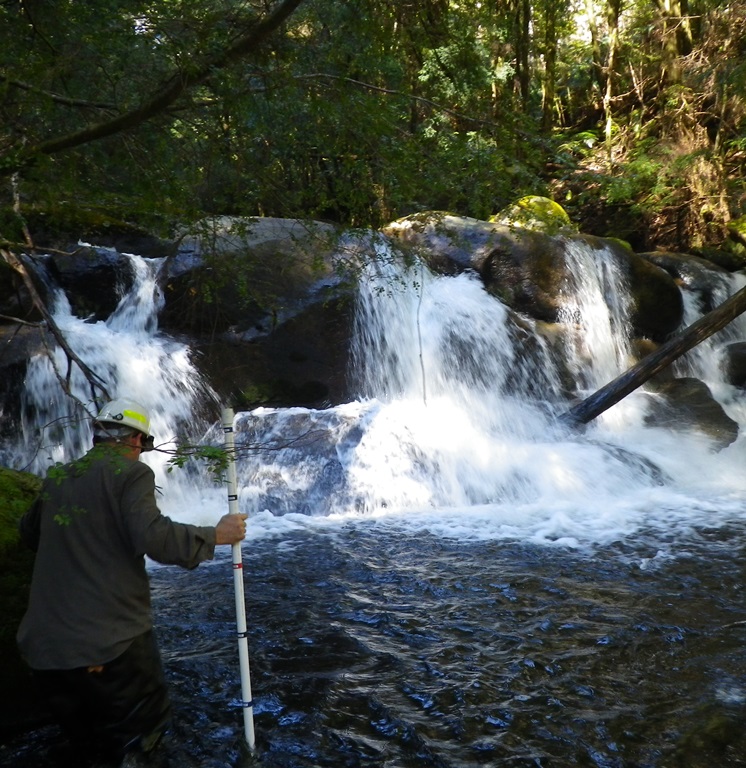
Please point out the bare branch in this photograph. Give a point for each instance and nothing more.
(93, 378)
(56, 97)
(19, 321)
(173, 88)
(40, 248)
(392, 92)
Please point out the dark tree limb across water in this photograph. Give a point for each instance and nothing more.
(610, 394)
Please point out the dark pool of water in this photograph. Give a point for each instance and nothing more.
(370, 648)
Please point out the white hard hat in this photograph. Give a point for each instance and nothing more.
(125, 413)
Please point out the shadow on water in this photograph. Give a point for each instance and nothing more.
(373, 649)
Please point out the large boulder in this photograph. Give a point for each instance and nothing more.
(301, 362)
(695, 274)
(657, 306)
(519, 265)
(269, 304)
(529, 269)
(94, 279)
(447, 243)
(248, 275)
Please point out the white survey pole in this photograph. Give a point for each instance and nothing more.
(243, 641)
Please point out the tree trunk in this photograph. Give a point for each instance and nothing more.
(619, 388)
(597, 63)
(614, 10)
(550, 65)
(676, 36)
(521, 46)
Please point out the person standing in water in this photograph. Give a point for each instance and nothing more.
(88, 630)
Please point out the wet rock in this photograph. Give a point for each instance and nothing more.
(268, 301)
(687, 404)
(658, 308)
(693, 273)
(302, 362)
(734, 364)
(248, 275)
(528, 269)
(93, 279)
(447, 243)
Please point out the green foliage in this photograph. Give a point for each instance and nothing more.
(357, 112)
(214, 458)
(643, 180)
(323, 123)
(66, 518)
(17, 491)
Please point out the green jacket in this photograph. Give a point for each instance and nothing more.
(91, 526)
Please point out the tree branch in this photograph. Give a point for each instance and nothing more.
(168, 93)
(56, 97)
(19, 321)
(391, 92)
(93, 378)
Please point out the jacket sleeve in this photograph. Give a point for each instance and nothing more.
(155, 535)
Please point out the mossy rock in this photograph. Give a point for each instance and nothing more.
(737, 229)
(17, 491)
(539, 214)
(621, 243)
(64, 224)
(731, 255)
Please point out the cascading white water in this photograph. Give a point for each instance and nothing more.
(447, 438)
(705, 361)
(131, 359)
(455, 432)
(596, 301)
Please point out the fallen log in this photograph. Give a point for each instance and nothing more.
(616, 390)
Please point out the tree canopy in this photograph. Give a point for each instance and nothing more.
(154, 113)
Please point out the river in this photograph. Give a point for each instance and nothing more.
(438, 574)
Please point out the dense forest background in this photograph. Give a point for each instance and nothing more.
(152, 113)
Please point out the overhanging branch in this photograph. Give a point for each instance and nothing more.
(164, 96)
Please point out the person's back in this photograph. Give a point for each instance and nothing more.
(89, 581)
(87, 633)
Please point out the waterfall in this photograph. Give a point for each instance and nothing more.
(130, 357)
(454, 431)
(596, 300)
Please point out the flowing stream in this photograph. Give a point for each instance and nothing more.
(438, 573)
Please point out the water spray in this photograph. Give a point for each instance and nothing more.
(241, 630)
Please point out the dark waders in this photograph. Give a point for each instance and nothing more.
(114, 708)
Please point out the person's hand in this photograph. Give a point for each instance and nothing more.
(231, 528)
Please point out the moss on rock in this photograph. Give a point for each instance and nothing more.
(17, 491)
(539, 214)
